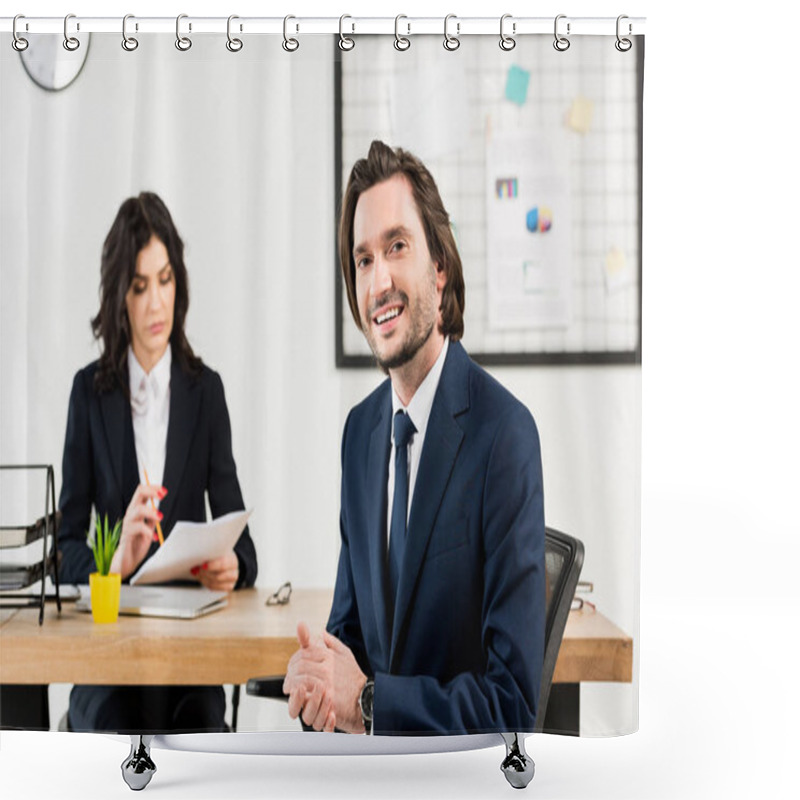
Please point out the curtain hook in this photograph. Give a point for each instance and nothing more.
(233, 44)
(507, 43)
(70, 42)
(623, 45)
(289, 44)
(345, 42)
(129, 43)
(561, 43)
(451, 43)
(18, 42)
(183, 43)
(401, 42)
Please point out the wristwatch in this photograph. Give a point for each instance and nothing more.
(365, 701)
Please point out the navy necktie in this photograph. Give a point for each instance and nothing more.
(403, 430)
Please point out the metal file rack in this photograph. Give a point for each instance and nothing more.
(17, 578)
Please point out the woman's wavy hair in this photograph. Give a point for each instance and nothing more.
(383, 162)
(137, 221)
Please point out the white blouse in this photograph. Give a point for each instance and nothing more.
(150, 412)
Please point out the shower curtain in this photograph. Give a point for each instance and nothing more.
(537, 155)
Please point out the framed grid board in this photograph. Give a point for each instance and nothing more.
(446, 107)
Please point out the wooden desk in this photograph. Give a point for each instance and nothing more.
(244, 640)
(593, 649)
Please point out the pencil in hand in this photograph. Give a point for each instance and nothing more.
(158, 524)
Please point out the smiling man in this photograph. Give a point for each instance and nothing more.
(437, 624)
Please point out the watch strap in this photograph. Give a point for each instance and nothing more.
(365, 704)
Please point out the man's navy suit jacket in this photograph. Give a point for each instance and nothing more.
(100, 469)
(461, 649)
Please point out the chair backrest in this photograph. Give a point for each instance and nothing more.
(563, 556)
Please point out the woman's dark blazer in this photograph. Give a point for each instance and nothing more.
(100, 470)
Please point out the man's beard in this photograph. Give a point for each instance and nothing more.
(420, 330)
(407, 352)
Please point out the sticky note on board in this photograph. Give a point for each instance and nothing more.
(579, 117)
(616, 269)
(517, 84)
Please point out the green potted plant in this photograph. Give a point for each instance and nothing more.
(104, 585)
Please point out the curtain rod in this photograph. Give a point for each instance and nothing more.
(347, 25)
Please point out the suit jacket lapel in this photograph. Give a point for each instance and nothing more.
(377, 477)
(184, 407)
(113, 406)
(442, 442)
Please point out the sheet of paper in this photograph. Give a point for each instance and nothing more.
(529, 233)
(190, 544)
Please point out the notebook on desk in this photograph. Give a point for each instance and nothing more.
(163, 601)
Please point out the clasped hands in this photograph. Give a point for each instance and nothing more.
(138, 534)
(324, 683)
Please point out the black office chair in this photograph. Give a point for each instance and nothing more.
(563, 560)
(563, 556)
(563, 563)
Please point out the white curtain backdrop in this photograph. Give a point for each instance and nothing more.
(241, 149)
(222, 139)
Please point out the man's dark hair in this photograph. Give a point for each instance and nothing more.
(137, 221)
(382, 163)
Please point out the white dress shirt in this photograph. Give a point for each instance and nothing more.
(419, 409)
(150, 412)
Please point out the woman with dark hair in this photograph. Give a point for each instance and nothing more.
(147, 409)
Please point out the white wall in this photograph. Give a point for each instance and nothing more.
(240, 147)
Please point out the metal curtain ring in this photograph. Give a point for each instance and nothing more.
(451, 43)
(233, 44)
(183, 43)
(507, 42)
(401, 42)
(623, 45)
(345, 42)
(561, 43)
(70, 42)
(129, 43)
(18, 42)
(289, 44)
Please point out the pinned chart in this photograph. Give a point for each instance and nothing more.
(528, 276)
(506, 188)
(539, 220)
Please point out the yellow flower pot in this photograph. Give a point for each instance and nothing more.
(104, 591)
